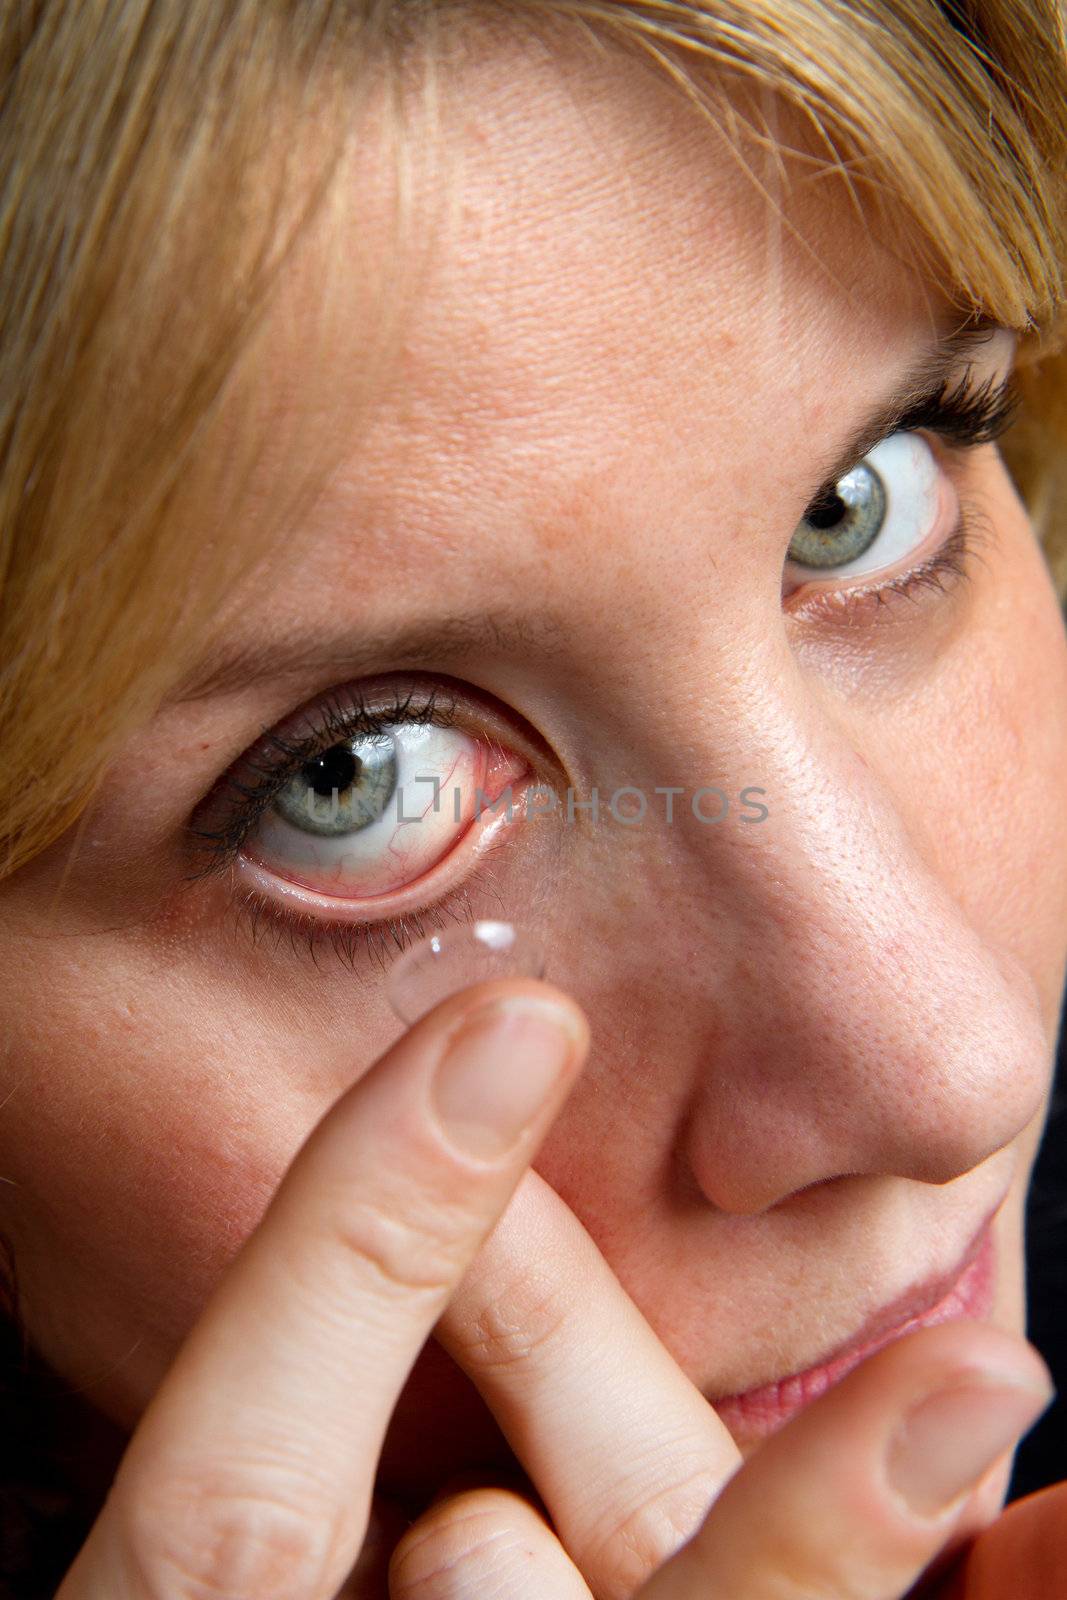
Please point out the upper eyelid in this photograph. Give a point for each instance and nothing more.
(325, 717)
(934, 411)
(232, 807)
(946, 369)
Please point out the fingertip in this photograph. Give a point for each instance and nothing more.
(505, 1065)
(961, 1349)
(511, 994)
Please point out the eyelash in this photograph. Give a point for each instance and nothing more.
(273, 760)
(960, 418)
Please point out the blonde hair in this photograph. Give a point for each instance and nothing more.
(162, 160)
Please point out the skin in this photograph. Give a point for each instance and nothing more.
(822, 1045)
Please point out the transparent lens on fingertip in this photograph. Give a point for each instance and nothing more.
(453, 959)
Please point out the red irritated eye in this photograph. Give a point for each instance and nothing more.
(374, 813)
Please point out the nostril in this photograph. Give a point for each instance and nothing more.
(829, 1185)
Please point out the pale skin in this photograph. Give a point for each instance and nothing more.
(821, 1047)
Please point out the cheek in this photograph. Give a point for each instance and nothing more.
(162, 1076)
(143, 1142)
(980, 763)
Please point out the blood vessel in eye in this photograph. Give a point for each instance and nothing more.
(445, 962)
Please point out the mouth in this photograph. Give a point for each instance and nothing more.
(967, 1290)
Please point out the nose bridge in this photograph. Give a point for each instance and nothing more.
(863, 1024)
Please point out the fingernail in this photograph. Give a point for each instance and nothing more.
(946, 1443)
(499, 1071)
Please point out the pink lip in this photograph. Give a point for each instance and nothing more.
(967, 1292)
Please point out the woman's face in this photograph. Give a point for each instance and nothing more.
(572, 529)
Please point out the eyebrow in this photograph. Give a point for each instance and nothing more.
(304, 654)
(234, 667)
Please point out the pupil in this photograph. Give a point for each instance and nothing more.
(335, 768)
(823, 513)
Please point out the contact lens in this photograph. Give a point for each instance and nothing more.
(453, 959)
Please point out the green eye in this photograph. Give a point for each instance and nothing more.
(843, 522)
(345, 788)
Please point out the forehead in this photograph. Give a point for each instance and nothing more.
(601, 299)
(574, 224)
(571, 188)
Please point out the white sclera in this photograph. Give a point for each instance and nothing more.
(445, 962)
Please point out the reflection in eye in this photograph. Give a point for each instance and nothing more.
(374, 812)
(888, 504)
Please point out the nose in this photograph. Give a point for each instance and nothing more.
(846, 1016)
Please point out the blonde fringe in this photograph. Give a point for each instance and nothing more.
(162, 161)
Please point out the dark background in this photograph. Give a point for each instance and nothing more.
(1042, 1457)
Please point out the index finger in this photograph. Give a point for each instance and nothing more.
(252, 1470)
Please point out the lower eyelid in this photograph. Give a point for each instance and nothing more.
(349, 940)
(483, 834)
(859, 583)
(946, 568)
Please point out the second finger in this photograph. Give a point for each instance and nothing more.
(625, 1451)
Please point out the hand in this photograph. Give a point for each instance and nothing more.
(246, 1478)
(637, 1491)
(250, 1474)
